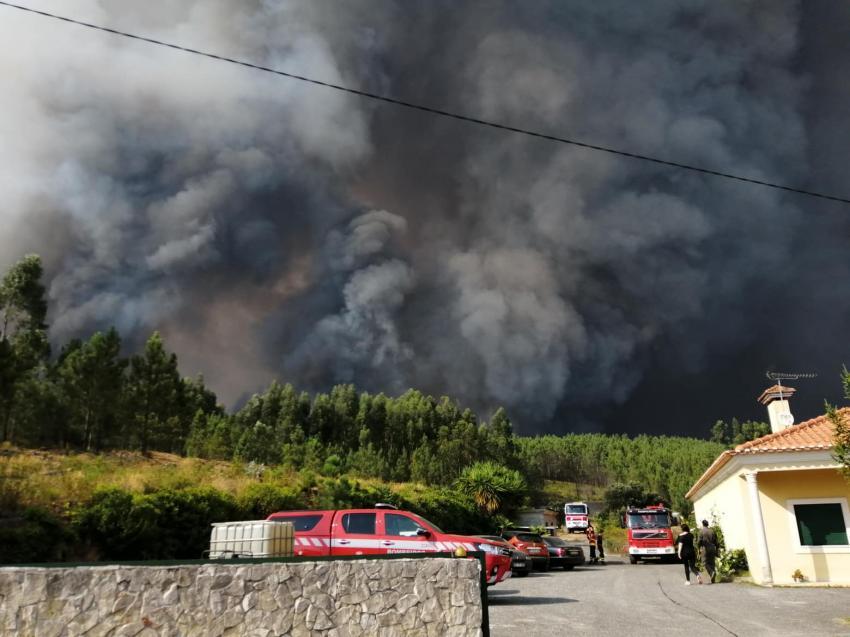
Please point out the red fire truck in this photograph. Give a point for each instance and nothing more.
(575, 517)
(649, 533)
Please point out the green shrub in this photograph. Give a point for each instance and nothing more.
(730, 563)
(104, 522)
(34, 535)
(332, 466)
(342, 493)
(11, 494)
(453, 512)
(259, 500)
(166, 524)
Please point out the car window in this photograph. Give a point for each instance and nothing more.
(299, 522)
(363, 523)
(528, 537)
(396, 524)
(427, 524)
(554, 541)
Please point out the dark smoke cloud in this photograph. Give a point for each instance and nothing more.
(274, 228)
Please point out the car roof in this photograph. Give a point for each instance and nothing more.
(535, 537)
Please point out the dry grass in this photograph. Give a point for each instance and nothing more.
(57, 481)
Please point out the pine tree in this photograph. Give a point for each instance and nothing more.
(92, 379)
(23, 334)
(155, 395)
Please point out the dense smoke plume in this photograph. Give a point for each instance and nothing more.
(271, 228)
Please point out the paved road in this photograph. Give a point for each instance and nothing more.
(623, 599)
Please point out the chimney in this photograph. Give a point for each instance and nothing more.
(778, 408)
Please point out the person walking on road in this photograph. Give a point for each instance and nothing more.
(687, 553)
(600, 548)
(708, 545)
(591, 540)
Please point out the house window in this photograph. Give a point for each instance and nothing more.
(821, 524)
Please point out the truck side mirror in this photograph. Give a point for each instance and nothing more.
(423, 532)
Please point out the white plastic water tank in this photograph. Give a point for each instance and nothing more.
(251, 538)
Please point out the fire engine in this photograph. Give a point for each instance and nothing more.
(649, 533)
(575, 517)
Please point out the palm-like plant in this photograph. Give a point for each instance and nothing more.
(491, 485)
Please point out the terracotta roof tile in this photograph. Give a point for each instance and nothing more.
(772, 393)
(816, 433)
(812, 435)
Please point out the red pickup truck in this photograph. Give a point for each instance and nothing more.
(384, 530)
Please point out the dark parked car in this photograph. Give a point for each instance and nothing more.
(564, 554)
(521, 564)
(532, 544)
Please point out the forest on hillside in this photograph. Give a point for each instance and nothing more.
(90, 397)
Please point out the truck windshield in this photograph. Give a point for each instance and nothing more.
(575, 509)
(649, 520)
(428, 525)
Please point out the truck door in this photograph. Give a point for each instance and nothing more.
(356, 534)
(403, 534)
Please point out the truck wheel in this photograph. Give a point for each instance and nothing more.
(633, 559)
(569, 567)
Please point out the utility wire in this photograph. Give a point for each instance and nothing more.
(434, 111)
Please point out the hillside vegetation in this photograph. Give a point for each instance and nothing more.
(128, 505)
(148, 458)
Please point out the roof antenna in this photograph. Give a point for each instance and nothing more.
(780, 376)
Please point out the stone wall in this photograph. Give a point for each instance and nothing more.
(428, 597)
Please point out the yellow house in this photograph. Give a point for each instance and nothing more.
(782, 498)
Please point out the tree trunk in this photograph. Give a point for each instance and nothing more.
(6, 417)
(87, 429)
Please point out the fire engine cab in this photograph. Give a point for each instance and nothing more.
(649, 533)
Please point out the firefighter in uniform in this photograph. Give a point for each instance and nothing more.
(600, 547)
(591, 540)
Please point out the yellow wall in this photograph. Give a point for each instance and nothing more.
(724, 505)
(776, 488)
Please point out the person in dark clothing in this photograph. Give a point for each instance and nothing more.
(591, 540)
(600, 548)
(688, 555)
(708, 545)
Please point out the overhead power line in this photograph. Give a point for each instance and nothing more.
(432, 110)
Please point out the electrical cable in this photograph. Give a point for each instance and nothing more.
(435, 111)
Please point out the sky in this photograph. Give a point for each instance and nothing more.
(274, 229)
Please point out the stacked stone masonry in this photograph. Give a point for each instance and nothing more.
(433, 597)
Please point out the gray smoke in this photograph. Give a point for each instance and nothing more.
(271, 228)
